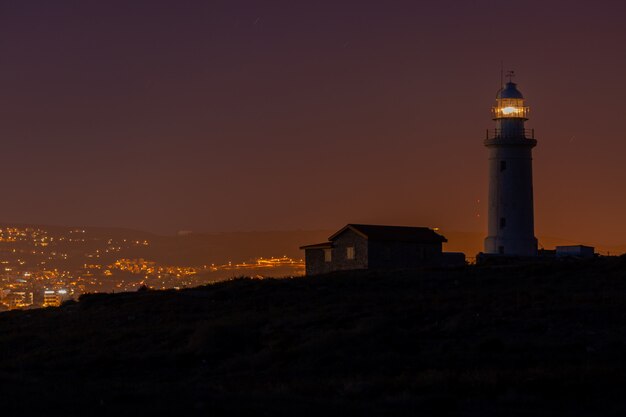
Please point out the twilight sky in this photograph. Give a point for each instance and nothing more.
(274, 115)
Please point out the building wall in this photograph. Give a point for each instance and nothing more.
(399, 255)
(315, 263)
(452, 259)
(575, 250)
(339, 252)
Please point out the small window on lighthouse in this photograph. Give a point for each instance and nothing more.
(502, 165)
(502, 222)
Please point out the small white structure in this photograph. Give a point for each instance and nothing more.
(577, 251)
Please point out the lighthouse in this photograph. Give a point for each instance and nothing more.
(511, 229)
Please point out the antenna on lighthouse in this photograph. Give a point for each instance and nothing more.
(510, 74)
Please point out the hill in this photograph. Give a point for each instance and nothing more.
(187, 249)
(542, 339)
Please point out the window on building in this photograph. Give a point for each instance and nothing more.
(502, 222)
(502, 165)
(328, 255)
(501, 250)
(350, 252)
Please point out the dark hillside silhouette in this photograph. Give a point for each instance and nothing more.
(542, 339)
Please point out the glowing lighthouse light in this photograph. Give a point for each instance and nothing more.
(509, 110)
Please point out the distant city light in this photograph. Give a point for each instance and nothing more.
(32, 278)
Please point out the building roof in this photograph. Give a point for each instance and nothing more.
(393, 233)
(509, 91)
(323, 245)
(574, 246)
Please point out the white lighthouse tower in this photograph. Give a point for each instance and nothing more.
(511, 229)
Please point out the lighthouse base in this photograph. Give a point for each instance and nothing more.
(495, 245)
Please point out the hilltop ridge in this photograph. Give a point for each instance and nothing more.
(540, 339)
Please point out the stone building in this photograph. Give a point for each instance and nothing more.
(360, 246)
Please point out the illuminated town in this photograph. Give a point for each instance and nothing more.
(44, 267)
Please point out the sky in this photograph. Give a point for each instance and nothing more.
(282, 115)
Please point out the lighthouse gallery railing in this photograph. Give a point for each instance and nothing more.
(507, 133)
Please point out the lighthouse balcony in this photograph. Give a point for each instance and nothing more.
(495, 134)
